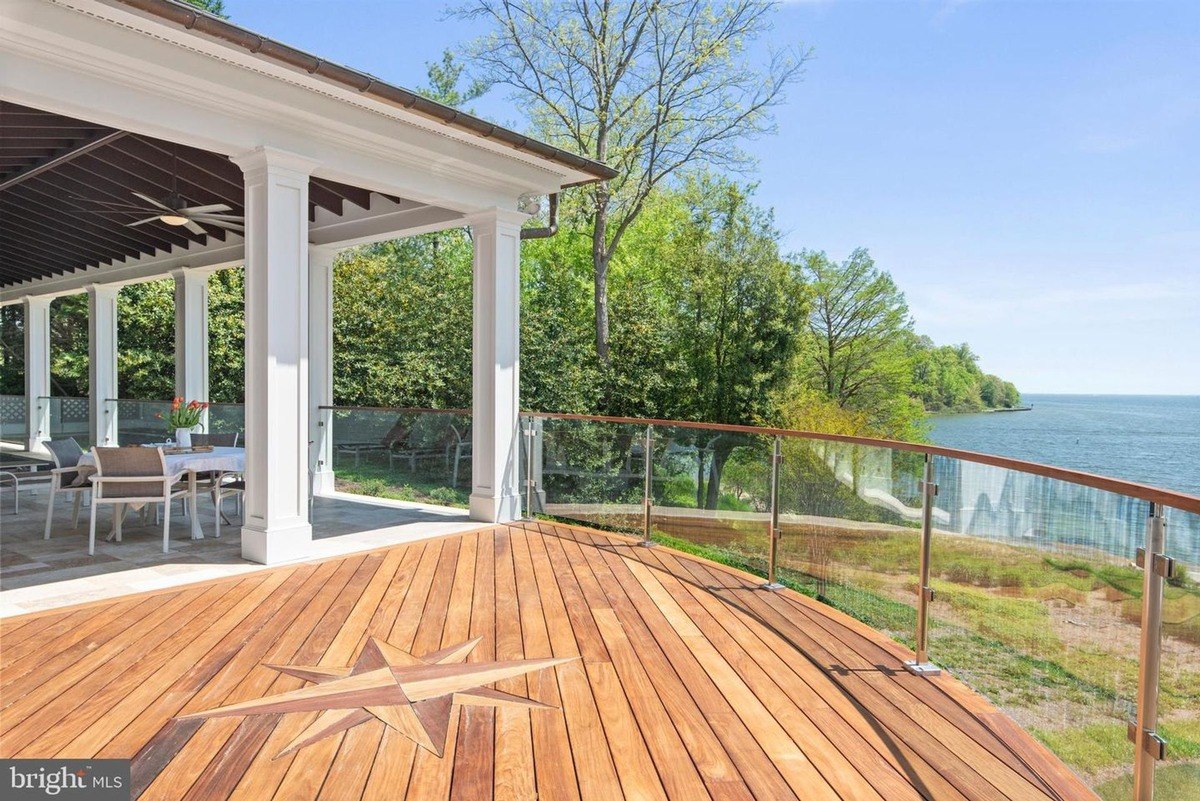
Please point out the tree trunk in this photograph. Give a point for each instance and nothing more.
(600, 259)
(720, 455)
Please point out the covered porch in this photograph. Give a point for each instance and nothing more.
(111, 110)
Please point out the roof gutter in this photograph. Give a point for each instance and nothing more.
(552, 223)
(193, 19)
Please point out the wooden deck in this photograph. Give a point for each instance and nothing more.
(693, 684)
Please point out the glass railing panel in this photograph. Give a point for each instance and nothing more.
(1037, 605)
(1178, 776)
(141, 421)
(592, 472)
(13, 429)
(227, 418)
(850, 519)
(67, 417)
(711, 494)
(416, 455)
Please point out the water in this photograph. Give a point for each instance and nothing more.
(1149, 439)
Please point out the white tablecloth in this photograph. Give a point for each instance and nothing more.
(228, 460)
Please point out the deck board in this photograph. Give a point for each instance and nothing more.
(687, 682)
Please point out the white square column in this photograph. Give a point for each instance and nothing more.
(102, 363)
(37, 372)
(276, 526)
(191, 335)
(495, 360)
(320, 366)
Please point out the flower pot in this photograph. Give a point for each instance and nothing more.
(183, 437)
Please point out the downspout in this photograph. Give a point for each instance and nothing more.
(551, 229)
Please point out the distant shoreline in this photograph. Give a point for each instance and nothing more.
(959, 412)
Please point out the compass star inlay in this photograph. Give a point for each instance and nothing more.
(413, 695)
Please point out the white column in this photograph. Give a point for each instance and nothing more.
(495, 496)
(102, 362)
(320, 366)
(37, 372)
(191, 335)
(276, 527)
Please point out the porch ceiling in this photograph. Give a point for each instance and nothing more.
(55, 170)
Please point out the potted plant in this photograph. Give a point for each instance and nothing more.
(182, 418)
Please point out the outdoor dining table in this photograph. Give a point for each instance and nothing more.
(218, 460)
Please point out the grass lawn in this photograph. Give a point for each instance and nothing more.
(423, 486)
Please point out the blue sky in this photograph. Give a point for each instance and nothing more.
(1029, 172)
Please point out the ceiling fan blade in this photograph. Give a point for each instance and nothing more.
(215, 207)
(229, 226)
(142, 222)
(195, 229)
(153, 202)
(217, 217)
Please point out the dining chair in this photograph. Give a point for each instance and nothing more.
(132, 476)
(65, 477)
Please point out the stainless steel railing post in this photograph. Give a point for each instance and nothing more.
(774, 532)
(648, 486)
(921, 665)
(1149, 747)
(528, 432)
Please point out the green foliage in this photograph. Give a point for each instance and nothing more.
(227, 336)
(12, 350)
(444, 78)
(402, 323)
(69, 346)
(610, 80)
(145, 340)
(214, 7)
(948, 378)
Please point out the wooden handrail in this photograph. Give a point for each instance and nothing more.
(1177, 500)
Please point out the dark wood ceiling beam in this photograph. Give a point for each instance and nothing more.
(11, 272)
(82, 229)
(110, 225)
(357, 196)
(213, 163)
(70, 257)
(196, 189)
(323, 197)
(93, 184)
(51, 189)
(133, 150)
(62, 158)
(25, 267)
(40, 233)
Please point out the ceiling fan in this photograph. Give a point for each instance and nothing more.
(172, 209)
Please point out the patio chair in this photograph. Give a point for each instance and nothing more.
(205, 481)
(65, 477)
(132, 476)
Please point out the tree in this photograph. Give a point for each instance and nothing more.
(227, 336)
(214, 7)
(145, 340)
(444, 78)
(859, 330)
(650, 87)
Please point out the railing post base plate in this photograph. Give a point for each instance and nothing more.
(646, 543)
(771, 585)
(922, 668)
